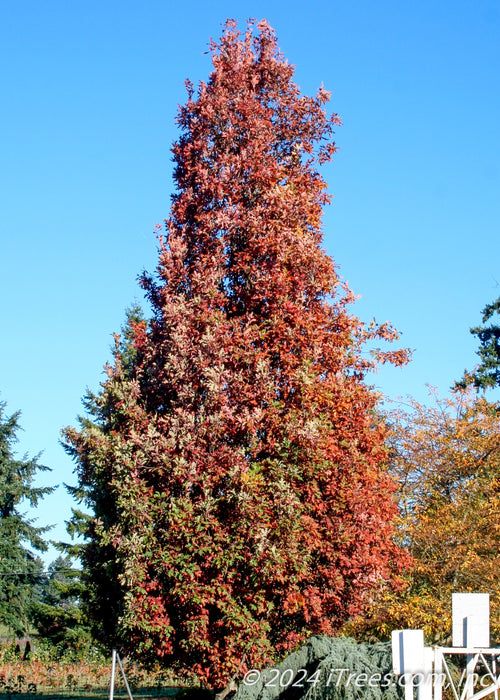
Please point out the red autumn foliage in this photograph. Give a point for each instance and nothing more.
(235, 467)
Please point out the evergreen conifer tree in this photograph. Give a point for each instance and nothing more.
(20, 538)
(487, 374)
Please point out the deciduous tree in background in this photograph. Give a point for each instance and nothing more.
(447, 460)
(234, 462)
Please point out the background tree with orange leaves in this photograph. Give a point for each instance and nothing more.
(234, 462)
(446, 459)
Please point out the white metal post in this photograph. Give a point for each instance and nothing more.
(408, 686)
(113, 671)
(469, 676)
(424, 687)
(438, 674)
(124, 677)
(494, 668)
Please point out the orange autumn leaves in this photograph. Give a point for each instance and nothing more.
(446, 459)
(233, 463)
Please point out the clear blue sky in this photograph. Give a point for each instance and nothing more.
(89, 94)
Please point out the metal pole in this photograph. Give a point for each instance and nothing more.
(469, 678)
(424, 687)
(408, 686)
(124, 678)
(113, 670)
(494, 666)
(438, 674)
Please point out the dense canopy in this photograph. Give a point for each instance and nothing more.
(234, 459)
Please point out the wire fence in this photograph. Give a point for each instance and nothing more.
(31, 674)
(94, 694)
(73, 682)
(29, 692)
(33, 692)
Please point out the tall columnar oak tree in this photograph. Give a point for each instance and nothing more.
(234, 464)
